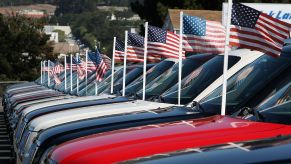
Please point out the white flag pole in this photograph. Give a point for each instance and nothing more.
(225, 63)
(71, 56)
(48, 73)
(65, 63)
(180, 58)
(86, 67)
(124, 62)
(145, 59)
(113, 64)
(77, 72)
(96, 88)
(41, 70)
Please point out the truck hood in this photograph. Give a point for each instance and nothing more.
(121, 145)
(62, 117)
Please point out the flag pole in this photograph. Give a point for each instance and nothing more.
(96, 88)
(44, 64)
(113, 64)
(86, 67)
(225, 63)
(65, 63)
(41, 69)
(77, 72)
(96, 82)
(180, 58)
(145, 60)
(71, 56)
(48, 73)
(124, 63)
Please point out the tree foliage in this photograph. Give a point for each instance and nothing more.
(75, 6)
(22, 46)
(91, 25)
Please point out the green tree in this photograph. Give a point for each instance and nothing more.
(22, 46)
(75, 6)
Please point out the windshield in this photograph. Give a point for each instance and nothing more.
(276, 108)
(246, 83)
(170, 77)
(198, 80)
(151, 74)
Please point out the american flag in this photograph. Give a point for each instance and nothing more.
(203, 36)
(50, 66)
(53, 71)
(107, 61)
(119, 51)
(80, 67)
(163, 43)
(255, 30)
(45, 68)
(91, 65)
(135, 49)
(68, 65)
(74, 63)
(99, 63)
(58, 68)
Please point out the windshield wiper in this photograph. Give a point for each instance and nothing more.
(195, 105)
(247, 110)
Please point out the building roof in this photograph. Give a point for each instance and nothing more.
(174, 15)
(49, 9)
(65, 48)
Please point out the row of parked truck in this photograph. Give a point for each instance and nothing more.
(55, 124)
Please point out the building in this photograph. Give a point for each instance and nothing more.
(65, 48)
(172, 21)
(37, 9)
(32, 13)
(112, 8)
(54, 36)
(52, 28)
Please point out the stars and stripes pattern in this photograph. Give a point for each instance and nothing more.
(99, 63)
(163, 43)
(68, 64)
(54, 70)
(107, 61)
(135, 49)
(119, 51)
(91, 65)
(80, 67)
(58, 68)
(45, 67)
(255, 30)
(203, 36)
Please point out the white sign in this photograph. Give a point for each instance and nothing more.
(277, 10)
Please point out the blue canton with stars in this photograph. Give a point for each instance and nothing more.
(156, 34)
(119, 45)
(135, 40)
(76, 60)
(244, 16)
(95, 57)
(194, 25)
